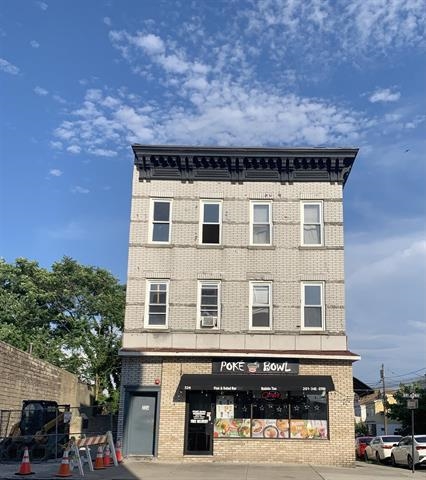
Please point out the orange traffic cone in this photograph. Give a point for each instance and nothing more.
(118, 452)
(64, 469)
(99, 462)
(25, 468)
(107, 457)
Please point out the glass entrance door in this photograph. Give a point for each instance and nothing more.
(199, 423)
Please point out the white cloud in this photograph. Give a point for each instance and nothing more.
(74, 149)
(42, 92)
(42, 5)
(8, 67)
(212, 107)
(102, 152)
(55, 172)
(78, 189)
(152, 44)
(107, 21)
(208, 108)
(56, 145)
(34, 44)
(329, 31)
(218, 113)
(59, 99)
(384, 95)
(64, 132)
(386, 23)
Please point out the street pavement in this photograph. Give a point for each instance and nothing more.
(143, 470)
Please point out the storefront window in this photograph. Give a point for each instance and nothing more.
(271, 414)
(308, 416)
(232, 415)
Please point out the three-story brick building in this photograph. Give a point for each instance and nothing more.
(234, 345)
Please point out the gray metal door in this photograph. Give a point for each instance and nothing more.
(141, 423)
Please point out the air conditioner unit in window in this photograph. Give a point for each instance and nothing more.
(208, 321)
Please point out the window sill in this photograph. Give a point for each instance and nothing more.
(149, 329)
(210, 245)
(261, 247)
(318, 331)
(156, 245)
(260, 331)
(310, 247)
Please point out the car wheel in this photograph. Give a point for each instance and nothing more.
(410, 462)
(393, 463)
(378, 460)
(365, 456)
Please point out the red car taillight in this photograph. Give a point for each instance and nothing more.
(387, 446)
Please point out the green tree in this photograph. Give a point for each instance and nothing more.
(400, 412)
(26, 309)
(71, 316)
(361, 429)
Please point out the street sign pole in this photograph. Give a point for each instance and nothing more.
(412, 439)
(412, 404)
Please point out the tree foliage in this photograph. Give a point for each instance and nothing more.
(361, 429)
(399, 410)
(71, 316)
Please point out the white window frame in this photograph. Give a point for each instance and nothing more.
(320, 203)
(201, 283)
(147, 303)
(201, 222)
(251, 305)
(252, 205)
(151, 220)
(303, 305)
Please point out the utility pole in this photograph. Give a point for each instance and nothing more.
(385, 410)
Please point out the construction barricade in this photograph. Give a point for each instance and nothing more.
(81, 452)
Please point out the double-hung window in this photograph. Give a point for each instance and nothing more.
(260, 305)
(313, 306)
(312, 223)
(211, 216)
(208, 304)
(160, 220)
(261, 223)
(156, 307)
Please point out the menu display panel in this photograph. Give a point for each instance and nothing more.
(271, 415)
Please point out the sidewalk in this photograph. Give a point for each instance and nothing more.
(140, 470)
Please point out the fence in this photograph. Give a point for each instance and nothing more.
(47, 433)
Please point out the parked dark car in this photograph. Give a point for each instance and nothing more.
(360, 446)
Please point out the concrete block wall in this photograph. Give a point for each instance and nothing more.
(24, 377)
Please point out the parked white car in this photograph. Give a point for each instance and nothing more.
(401, 454)
(380, 447)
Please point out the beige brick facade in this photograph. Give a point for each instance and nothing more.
(154, 359)
(337, 450)
(234, 262)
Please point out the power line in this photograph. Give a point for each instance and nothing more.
(403, 374)
(376, 382)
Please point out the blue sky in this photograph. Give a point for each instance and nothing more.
(81, 81)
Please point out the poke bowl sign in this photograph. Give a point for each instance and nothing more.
(256, 366)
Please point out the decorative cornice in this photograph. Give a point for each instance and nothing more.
(240, 164)
(193, 352)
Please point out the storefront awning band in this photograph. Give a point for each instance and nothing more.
(296, 383)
